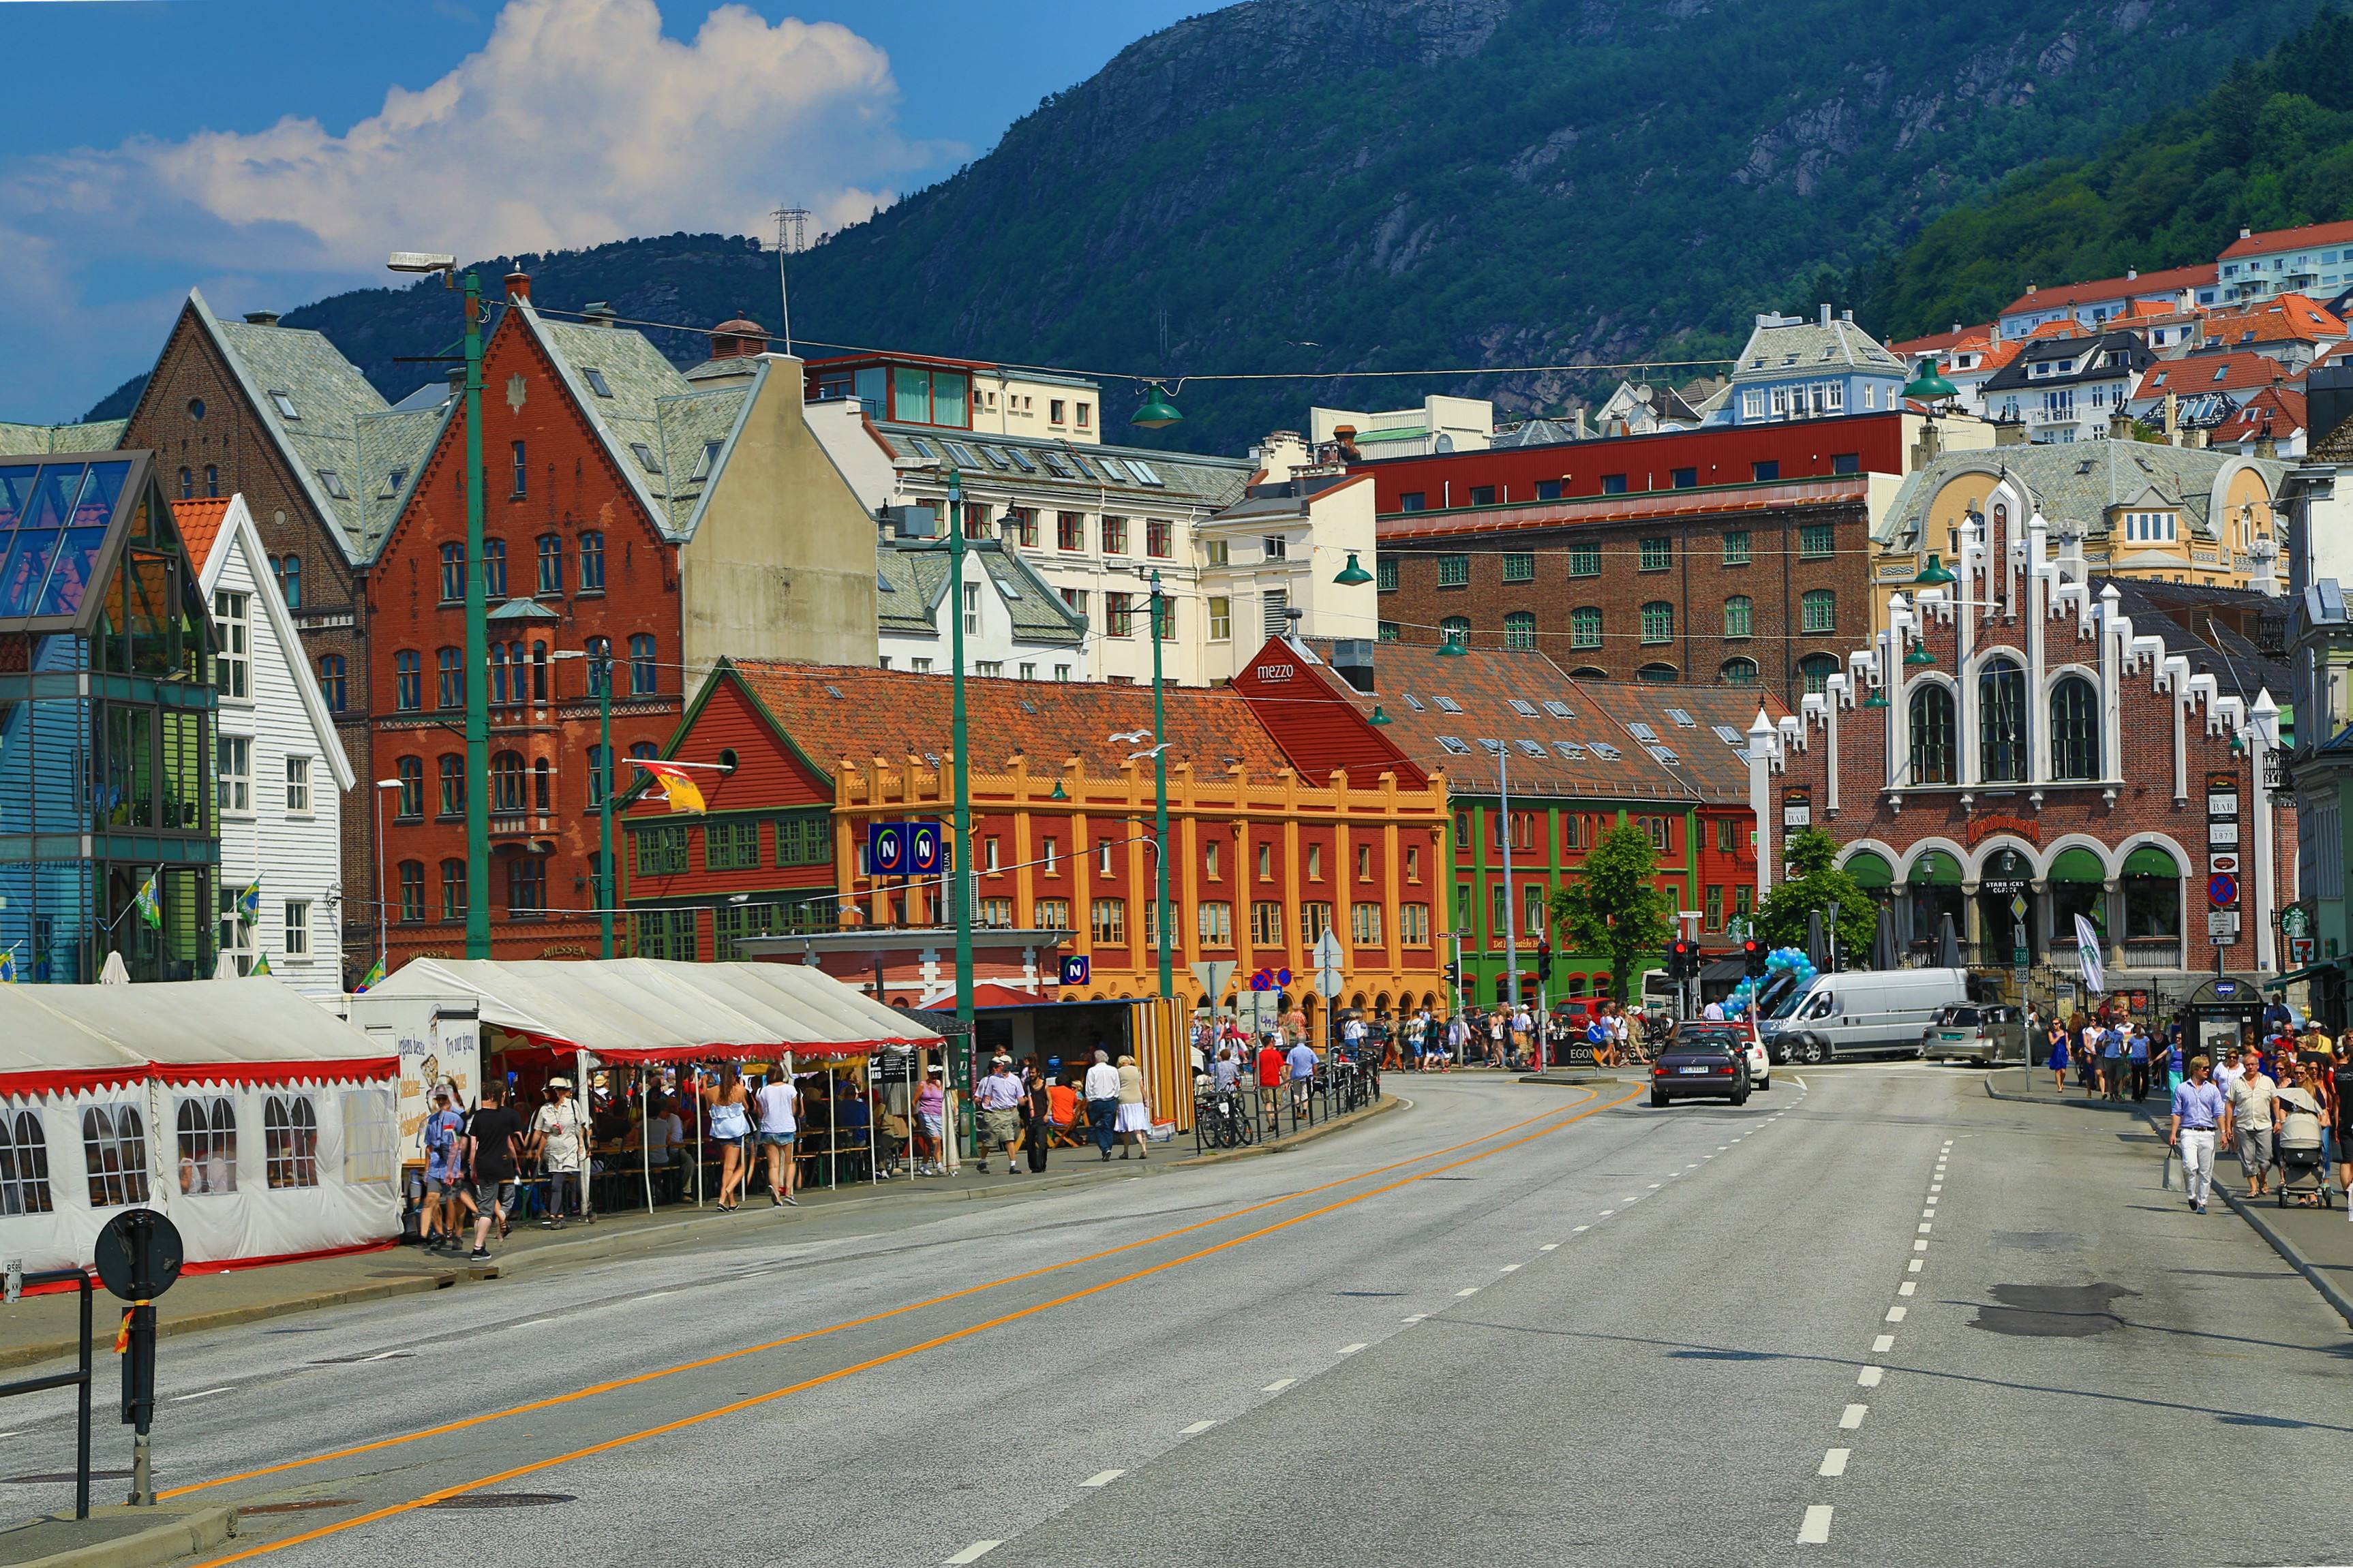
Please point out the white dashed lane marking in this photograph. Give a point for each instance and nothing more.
(1869, 1377)
(1351, 1350)
(176, 1399)
(1817, 1527)
(1467, 1290)
(1103, 1478)
(1278, 1386)
(1834, 1462)
(1854, 1417)
(1882, 1344)
(1895, 1314)
(974, 1553)
(1196, 1430)
(1553, 1246)
(1508, 1269)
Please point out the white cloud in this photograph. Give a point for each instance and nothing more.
(578, 121)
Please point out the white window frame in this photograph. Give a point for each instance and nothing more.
(298, 786)
(296, 932)
(232, 611)
(233, 766)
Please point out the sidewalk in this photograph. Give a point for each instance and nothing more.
(2032, 1085)
(46, 1328)
(2317, 1243)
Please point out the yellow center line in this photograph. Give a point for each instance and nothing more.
(591, 1390)
(754, 1401)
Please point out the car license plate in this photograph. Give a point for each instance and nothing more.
(1950, 1035)
(1691, 1070)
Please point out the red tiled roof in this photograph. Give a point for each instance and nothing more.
(2283, 405)
(2066, 329)
(2194, 374)
(1633, 506)
(1936, 342)
(2166, 282)
(837, 710)
(2290, 318)
(2273, 240)
(200, 523)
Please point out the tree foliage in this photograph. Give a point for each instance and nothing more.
(1613, 905)
(1818, 883)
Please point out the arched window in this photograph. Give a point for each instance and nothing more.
(407, 679)
(409, 799)
(1816, 669)
(1456, 630)
(506, 782)
(1584, 626)
(453, 574)
(290, 579)
(114, 1154)
(550, 564)
(449, 667)
(1738, 672)
(592, 561)
(1819, 610)
(23, 1164)
(2002, 722)
(495, 568)
(453, 890)
(600, 664)
(539, 672)
(187, 485)
(596, 771)
(290, 1141)
(498, 673)
(453, 786)
(1658, 674)
(527, 885)
(1739, 617)
(1589, 672)
(2074, 728)
(1658, 621)
(644, 672)
(1520, 632)
(1932, 735)
(412, 892)
(212, 481)
(207, 1129)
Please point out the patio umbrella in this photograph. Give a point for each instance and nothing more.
(1902, 907)
(1948, 945)
(1883, 940)
(1817, 950)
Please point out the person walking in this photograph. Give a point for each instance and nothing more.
(1134, 1116)
(2136, 1061)
(1268, 1067)
(1102, 1087)
(1301, 1064)
(730, 1128)
(559, 1137)
(2112, 1062)
(999, 1097)
(930, 1124)
(493, 1149)
(779, 1103)
(2059, 1058)
(2199, 1108)
(2248, 1107)
(1037, 1116)
(444, 1179)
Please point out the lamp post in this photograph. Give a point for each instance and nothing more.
(600, 670)
(1160, 789)
(477, 689)
(961, 898)
(382, 906)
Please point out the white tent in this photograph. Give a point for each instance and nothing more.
(260, 1121)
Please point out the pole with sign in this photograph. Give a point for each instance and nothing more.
(2222, 842)
(138, 1257)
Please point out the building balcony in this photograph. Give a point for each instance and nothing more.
(2153, 953)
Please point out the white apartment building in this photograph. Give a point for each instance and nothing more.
(282, 772)
(2316, 260)
(1440, 425)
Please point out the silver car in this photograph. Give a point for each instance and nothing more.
(1984, 1034)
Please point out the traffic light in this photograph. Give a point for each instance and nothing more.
(1683, 959)
(1543, 962)
(1752, 958)
(1454, 976)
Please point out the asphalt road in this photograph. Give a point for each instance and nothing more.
(1870, 1318)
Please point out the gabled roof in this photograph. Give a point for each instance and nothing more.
(213, 530)
(50, 441)
(831, 711)
(1936, 342)
(2286, 317)
(2172, 279)
(2192, 374)
(2272, 239)
(1780, 347)
(2200, 624)
(912, 579)
(2281, 408)
(2125, 348)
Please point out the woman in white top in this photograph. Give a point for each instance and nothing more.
(1135, 1117)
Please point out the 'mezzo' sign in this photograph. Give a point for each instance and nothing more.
(1275, 671)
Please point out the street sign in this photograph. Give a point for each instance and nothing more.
(1328, 952)
(1327, 983)
(1075, 969)
(2227, 860)
(2016, 906)
(138, 1254)
(2299, 951)
(2018, 957)
(886, 849)
(2222, 890)
(2295, 920)
(1214, 973)
(923, 847)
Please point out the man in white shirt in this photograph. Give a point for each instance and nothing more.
(1352, 1034)
(1713, 1012)
(778, 1101)
(559, 1134)
(1000, 1095)
(1102, 1087)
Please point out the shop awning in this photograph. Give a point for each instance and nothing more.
(657, 1010)
(61, 1038)
(1870, 869)
(2148, 860)
(2077, 864)
(1937, 868)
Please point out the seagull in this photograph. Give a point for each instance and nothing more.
(1129, 735)
(1138, 756)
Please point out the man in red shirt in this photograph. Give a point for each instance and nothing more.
(1269, 1082)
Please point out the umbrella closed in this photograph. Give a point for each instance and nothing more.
(1818, 950)
(1948, 945)
(1883, 940)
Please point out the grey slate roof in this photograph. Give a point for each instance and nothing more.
(393, 447)
(2131, 354)
(2079, 482)
(1188, 480)
(2202, 624)
(916, 571)
(1782, 347)
(1538, 433)
(32, 440)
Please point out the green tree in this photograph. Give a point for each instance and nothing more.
(1615, 906)
(1817, 884)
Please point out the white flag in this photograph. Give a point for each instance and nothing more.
(2087, 949)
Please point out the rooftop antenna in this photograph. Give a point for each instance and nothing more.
(792, 237)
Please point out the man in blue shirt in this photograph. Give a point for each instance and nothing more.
(2198, 1107)
(2136, 1061)
(2112, 1062)
(1302, 1063)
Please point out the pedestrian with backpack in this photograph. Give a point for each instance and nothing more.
(444, 1176)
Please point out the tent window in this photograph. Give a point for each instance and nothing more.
(114, 1154)
(23, 1165)
(289, 1135)
(208, 1145)
(368, 1132)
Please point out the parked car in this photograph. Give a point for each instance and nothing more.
(1711, 1063)
(1974, 1033)
(1862, 1012)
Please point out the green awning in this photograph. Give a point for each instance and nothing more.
(2077, 865)
(1870, 869)
(2148, 860)
(1937, 869)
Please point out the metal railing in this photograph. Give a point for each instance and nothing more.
(79, 1377)
(1241, 1116)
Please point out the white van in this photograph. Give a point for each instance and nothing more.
(1864, 1012)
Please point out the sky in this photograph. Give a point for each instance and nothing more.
(270, 152)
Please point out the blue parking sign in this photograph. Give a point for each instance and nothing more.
(887, 851)
(1075, 969)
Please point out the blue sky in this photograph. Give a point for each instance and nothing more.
(249, 147)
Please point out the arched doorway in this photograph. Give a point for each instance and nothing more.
(2007, 923)
(1935, 886)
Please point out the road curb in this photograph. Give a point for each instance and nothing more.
(2328, 1289)
(2102, 1105)
(167, 1326)
(174, 1537)
(1381, 1107)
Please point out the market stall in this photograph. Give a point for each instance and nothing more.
(260, 1122)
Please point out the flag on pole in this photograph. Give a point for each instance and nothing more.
(261, 966)
(375, 975)
(2087, 952)
(145, 902)
(249, 902)
(8, 967)
(677, 784)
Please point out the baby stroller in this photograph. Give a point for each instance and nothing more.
(2300, 1149)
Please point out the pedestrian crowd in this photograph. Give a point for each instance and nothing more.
(2281, 1106)
(2111, 1054)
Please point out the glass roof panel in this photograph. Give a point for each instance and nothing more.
(63, 513)
(16, 493)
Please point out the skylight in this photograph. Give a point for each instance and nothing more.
(1453, 744)
(1728, 734)
(1641, 732)
(391, 483)
(646, 457)
(996, 457)
(1569, 750)
(1448, 705)
(1523, 707)
(1056, 466)
(1608, 753)
(962, 454)
(333, 483)
(1114, 467)
(702, 465)
(1666, 756)
(1021, 460)
(1535, 748)
(1414, 702)
(924, 448)
(1493, 747)
(1559, 711)
(1683, 719)
(1144, 472)
(285, 409)
(596, 383)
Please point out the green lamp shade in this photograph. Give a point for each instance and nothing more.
(1930, 386)
(1919, 657)
(1448, 648)
(1933, 575)
(1878, 698)
(1158, 412)
(1378, 717)
(1353, 575)
(1058, 794)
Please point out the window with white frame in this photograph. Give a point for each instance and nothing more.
(114, 1154)
(290, 1141)
(298, 784)
(235, 936)
(2149, 527)
(234, 757)
(235, 663)
(298, 928)
(207, 1134)
(1753, 403)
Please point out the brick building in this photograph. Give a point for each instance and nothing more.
(1574, 759)
(2093, 746)
(1265, 859)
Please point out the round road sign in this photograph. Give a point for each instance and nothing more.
(138, 1254)
(2222, 890)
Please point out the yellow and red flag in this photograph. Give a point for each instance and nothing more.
(677, 784)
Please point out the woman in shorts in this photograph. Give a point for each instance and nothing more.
(930, 1118)
(731, 1126)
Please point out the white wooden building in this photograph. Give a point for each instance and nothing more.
(281, 771)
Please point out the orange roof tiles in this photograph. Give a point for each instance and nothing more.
(2189, 376)
(1934, 342)
(2167, 281)
(2281, 407)
(2057, 329)
(2273, 240)
(200, 523)
(2289, 318)
(833, 711)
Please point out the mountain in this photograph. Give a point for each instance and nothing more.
(2269, 147)
(1335, 187)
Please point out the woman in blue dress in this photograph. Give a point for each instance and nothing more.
(2059, 1057)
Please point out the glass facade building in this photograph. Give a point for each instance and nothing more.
(106, 725)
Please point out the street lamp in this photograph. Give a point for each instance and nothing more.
(1353, 575)
(1160, 783)
(477, 689)
(382, 914)
(962, 865)
(1157, 413)
(600, 672)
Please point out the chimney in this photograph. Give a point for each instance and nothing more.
(2009, 433)
(738, 339)
(2266, 444)
(597, 313)
(262, 318)
(2131, 273)
(1352, 661)
(518, 284)
(2245, 233)
(1931, 442)
(1826, 313)
(1345, 435)
(2120, 426)
(2029, 287)
(1291, 619)
(1846, 316)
